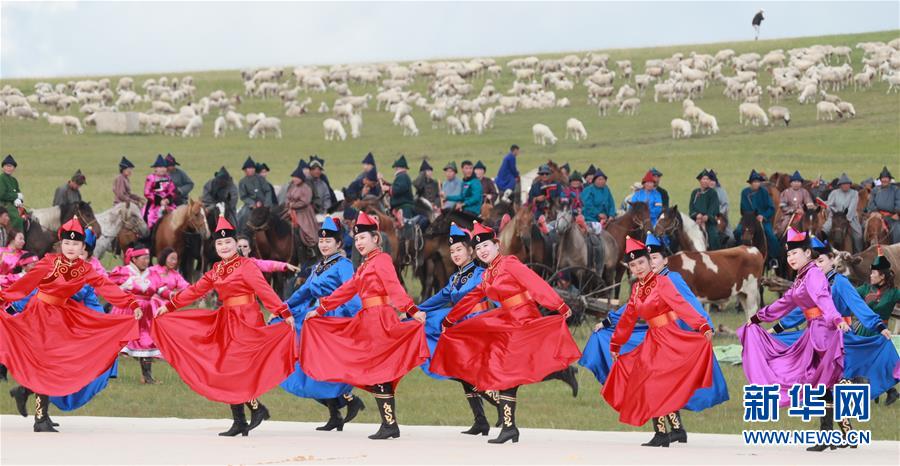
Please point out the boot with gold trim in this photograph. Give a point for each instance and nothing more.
(42, 421)
(258, 413)
(239, 426)
(660, 437)
(354, 406)
(481, 426)
(493, 398)
(678, 434)
(384, 397)
(509, 430)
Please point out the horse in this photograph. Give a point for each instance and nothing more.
(840, 237)
(684, 233)
(52, 217)
(436, 264)
(38, 239)
(635, 223)
(175, 229)
(876, 230)
(574, 250)
(122, 225)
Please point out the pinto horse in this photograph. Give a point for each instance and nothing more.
(635, 223)
(684, 233)
(176, 229)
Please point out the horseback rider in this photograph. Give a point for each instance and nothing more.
(159, 191)
(599, 206)
(758, 202)
(323, 196)
(426, 186)
(451, 187)
(488, 188)
(300, 204)
(366, 185)
(704, 208)
(11, 196)
(571, 194)
(401, 190)
(470, 198)
(543, 191)
(508, 175)
(793, 201)
(650, 196)
(221, 189)
(657, 177)
(886, 199)
(122, 184)
(70, 193)
(723, 206)
(183, 183)
(253, 190)
(262, 169)
(845, 199)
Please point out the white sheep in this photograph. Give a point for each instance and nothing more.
(827, 111)
(266, 125)
(356, 123)
(454, 126)
(409, 126)
(66, 121)
(400, 110)
(343, 112)
(680, 128)
(253, 118)
(219, 127)
(543, 135)
(603, 106)
(478, 119)
(575, 129)
(234, 120)
(752, 113)
(323, 107)
(847, 109)
(466, 123)
(193, 127)
(707, 123)
(437, 115)
(808, 94)
(630, 105)
(893, 81)
(333, 129)
(780, 113)
(489, 116)
(23, 113)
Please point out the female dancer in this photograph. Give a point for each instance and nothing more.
(869, 358)
(135, 278)
(229, 354)
(660, 376)
(44, 347)
(817, 357)
(326, 276)
(512, 345)
(9, 255)
(372, 350)
(434, 310)
(598, 359)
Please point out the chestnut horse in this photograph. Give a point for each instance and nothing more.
(173, 230)
(875, 230)
(635, 223)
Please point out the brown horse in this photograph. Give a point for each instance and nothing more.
(635, 223)
(684, 233)
(85, 214)
(840, 237)
(37, 239)
(521, 238)
(875, 230)
(173, 230)
(436, 264)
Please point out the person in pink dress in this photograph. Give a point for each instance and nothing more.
(165, 278)
(25, 263)
(9, 255)
(159, 191)
(135, 278)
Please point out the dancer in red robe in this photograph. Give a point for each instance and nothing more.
(512, 345)
(372, 350)
(229, 354)
(657, 378)
(45, 346)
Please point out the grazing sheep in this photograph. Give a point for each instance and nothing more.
(409, 126)
(893, 82)
(680, 128)
(603, 106)
(65, 121)
(752, 113)
(356, 123)
(478, 119)
(400, 110)
(847, 109)
(707, 123)
(343, 112)
(563, 103)
(253, 118)
(543, 135)
(193, 127)
(159, 106)
(575, 129)
(295, 110)
(827, 111)
(219, 127)
(266, 125)
(808, 94)
(454, 126)
(323, 107)
(630, 105)
(466, 123)
(333, 129)
(437, 115)
(23, 113)
(489, 116)
(234, 120)
(780, 113)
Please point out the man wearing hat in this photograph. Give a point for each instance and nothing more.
(221, 189)
(451, 187)
(508, 175)
(589, 175)
(599, 206)
(426, 186)
(122, 184)
(885, 198)
(323, 196)
(723, 206)
(300, 202)
(262, 169)
(470, 199)
(794, 201)
(69, 193)
(401, 190)
(253, 190)
(183, 183)
(657, 176)
(571, 194)
(488, 188)
(159, 191)
(543, 191)
(366, 185)
(704, 209)
(757, 201)
(845, 200)
(650, 196)
(368, 165)
(10, 195)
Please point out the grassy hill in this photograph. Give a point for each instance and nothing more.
(624, 147)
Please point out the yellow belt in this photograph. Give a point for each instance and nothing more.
(240, 300)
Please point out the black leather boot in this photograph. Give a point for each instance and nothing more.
(354, 406)
(892, 396)
(660, 437)
(258, 413)
(42, 421)
(509, 431)
(493, 398)
(21, 394)
(3, 371)
(677, 434)
(567, 376)
(384, 396)
(240, 423)
(335, 421)
(826, 423)
(481, 425)
(147, 371)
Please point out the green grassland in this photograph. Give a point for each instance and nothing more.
(624, 147)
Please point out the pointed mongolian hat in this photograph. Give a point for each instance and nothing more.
(224, 229)
(365, 222)
(71, 230)
(481, 233)
(634, 249)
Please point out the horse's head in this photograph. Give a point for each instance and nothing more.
(564, 221)
(640, 216)
(875, 230)
(85, 214)
(751, 228)
(842, 261)
(668, 223)
(196, 218)
(523, 220)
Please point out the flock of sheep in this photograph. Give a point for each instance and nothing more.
(451, 100)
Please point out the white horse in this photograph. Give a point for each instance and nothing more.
(48, 217)
(122, 215)
(693, 232)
